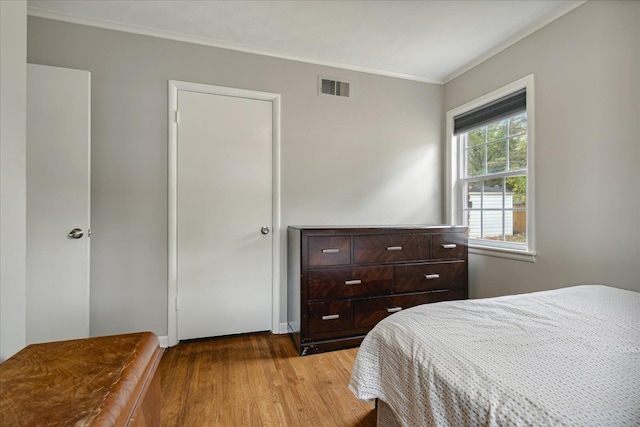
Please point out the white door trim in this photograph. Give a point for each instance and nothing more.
(174, 87)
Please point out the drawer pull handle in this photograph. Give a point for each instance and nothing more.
(449, 246)
(331, 317)
(432, 276)
(394, 248)
(393, 309)
(353, 282)
(330, 251)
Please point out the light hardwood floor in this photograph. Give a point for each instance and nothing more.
(258, 380)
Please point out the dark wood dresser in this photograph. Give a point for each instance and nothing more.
(104, 381)
(344, 280)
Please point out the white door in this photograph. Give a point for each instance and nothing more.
(224, 265)
(58, 201)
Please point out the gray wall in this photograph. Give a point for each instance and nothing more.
(375, 159)
(587, 149)
(13, 129)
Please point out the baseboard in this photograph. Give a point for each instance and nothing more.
(164, 341)
(283, 328)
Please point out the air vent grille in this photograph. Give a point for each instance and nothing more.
(333, 87)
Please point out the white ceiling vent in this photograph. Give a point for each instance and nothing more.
(334, 87)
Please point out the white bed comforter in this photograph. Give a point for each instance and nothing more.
(568, 357)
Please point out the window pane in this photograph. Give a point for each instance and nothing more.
(518, 124)
(494, 186)
(519, 227)
(496, 130)
(492, 224)
(518, 153)
(473, 208)
(495, 209)
(474, 195)
(475, 161)
(496, 156)
(517, 185)
(485, 197)
(476, 136)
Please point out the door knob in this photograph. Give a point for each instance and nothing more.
(265, 230)
(76, 233)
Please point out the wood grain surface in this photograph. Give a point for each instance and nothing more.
(258, 380)
(101, 381)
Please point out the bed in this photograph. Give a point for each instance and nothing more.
(554, 358)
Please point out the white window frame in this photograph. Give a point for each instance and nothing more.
(454, 202)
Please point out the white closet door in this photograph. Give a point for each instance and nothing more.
(224, 201)
(58, 201)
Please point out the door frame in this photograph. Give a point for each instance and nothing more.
(173, 118)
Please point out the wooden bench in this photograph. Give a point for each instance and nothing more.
(102, 381)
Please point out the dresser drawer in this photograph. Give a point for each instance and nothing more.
(366, 313)
(448, 245)
(329, 316)
(341, 281)
(424, 277)
(350, 282)
(448, 295)
(390, 248)
(329, 250)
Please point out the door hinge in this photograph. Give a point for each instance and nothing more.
(177, 118)
(176, 304)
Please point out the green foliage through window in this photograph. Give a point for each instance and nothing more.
(497, 147)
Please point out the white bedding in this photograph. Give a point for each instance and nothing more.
(568, 357)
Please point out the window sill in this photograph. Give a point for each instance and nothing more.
(503, 253)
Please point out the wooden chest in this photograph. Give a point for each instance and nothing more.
(344, 280)
(102, 381)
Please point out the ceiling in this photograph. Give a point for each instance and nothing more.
(430, 41)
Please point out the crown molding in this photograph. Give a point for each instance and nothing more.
(513, 40)
(181, 37)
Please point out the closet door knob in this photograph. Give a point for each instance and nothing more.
(76, 233)
(265, 230)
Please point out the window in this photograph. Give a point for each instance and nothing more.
(490, 179)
